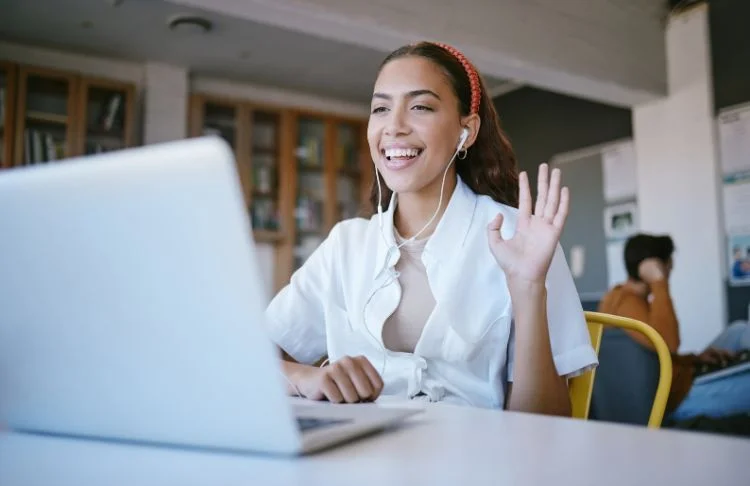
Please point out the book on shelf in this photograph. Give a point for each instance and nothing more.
(308, 152)
(264, 214)
(41, 147)
(309, 214)
(109, 112)
(263, 178)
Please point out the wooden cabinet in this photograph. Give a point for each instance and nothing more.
(301, 172)
(49, 115)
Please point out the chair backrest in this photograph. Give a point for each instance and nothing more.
(582, 387)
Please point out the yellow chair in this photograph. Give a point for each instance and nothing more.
(582, 387)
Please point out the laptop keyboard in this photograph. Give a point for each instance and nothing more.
(308, 423)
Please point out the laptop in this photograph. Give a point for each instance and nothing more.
(707, 373)
(132, 304)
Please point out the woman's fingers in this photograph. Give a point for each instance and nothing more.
(541, 190)
(524, 195)
(553, 196)
(562, 211)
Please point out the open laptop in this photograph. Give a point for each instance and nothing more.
(131, 308)
(706, 373)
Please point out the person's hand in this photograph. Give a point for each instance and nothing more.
(652, 270)
(716, 356)
(350, 380)
(528, 254)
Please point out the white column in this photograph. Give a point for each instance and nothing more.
(679, 178)
(166, 98)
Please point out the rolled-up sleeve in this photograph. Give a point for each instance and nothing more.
(572, 351)
(295, 318)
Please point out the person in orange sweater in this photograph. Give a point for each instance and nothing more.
(645, 297)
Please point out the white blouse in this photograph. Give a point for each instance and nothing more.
(339, 300)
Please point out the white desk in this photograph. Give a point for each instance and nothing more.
(444, 445)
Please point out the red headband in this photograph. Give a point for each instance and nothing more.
(471, 73)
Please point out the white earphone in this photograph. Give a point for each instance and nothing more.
(462, 140)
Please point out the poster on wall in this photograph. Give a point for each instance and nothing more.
(620, 221)
(734, 139)
(739, 259)
(737, 202)
(619, 172)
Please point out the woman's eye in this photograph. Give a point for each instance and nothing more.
(378, 109)
(422, 108)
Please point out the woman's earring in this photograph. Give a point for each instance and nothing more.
(462, 154)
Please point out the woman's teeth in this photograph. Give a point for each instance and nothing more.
(402, 153)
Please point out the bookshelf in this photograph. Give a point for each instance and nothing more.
(301, 172)
(45, 116)
(254, 135)
(7, 100)
(48, 115)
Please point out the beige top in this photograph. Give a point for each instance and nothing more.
(403, 328)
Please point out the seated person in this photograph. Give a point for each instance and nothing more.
(645, 297)
(456, 290)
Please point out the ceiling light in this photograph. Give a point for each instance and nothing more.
(189, 24)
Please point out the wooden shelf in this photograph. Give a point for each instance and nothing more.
(228, 124)
(39, 116)
(101, 132)
(350, 172)
(310, 168)
(265, 150)
(268, 236)
(309, 232)
(264, 195)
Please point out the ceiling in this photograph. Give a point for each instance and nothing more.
(236, 49)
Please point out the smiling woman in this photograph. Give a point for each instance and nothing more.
(457, 289)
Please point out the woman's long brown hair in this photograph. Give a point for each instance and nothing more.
(490, 165)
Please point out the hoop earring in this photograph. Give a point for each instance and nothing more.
(462, 154)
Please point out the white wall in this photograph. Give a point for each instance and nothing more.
(277, 97)
(68, 61)
(678, 178)
(166, 94)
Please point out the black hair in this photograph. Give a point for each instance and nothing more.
(643, 246)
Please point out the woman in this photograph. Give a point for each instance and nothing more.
(448, 293)
(645, 296)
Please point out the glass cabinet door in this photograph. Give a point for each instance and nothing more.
(309, 211)
(46, 119)
(264, 159)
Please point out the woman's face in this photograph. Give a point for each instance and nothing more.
(414, 125)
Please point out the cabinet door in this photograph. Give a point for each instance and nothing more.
(265, 156)
(45, 118)
(106, 117)
(7, 113)
(310, 200)
(349, 171)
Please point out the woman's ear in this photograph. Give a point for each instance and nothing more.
(472, 123)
